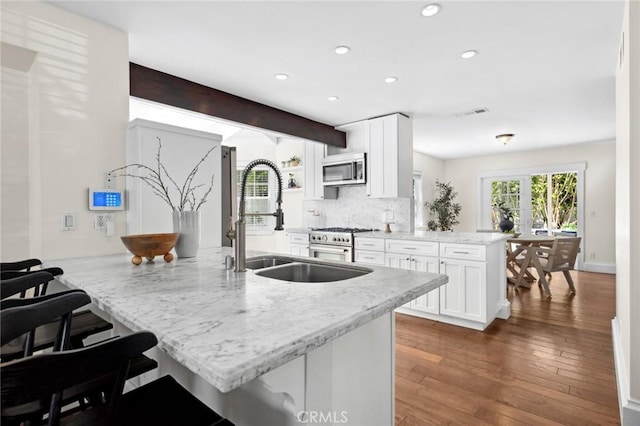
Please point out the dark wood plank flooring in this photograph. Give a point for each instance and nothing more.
(551, 363)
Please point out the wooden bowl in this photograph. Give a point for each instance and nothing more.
(150, 246)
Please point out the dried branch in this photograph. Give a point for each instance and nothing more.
(154, 179)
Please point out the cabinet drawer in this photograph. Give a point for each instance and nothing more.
(371, 257)
(423, 248)
(299, 238)
(376, 244)
(463, 251)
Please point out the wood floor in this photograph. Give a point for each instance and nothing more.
(551, 363)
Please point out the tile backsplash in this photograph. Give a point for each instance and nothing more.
(354, 209)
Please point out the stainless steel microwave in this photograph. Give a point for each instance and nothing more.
(344, 169)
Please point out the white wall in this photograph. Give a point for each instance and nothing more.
(600, 191)
(432, 169)
(626, 337)
(78, 87)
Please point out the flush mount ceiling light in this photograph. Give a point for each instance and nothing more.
(390, 79)
(505, 138)
(430, 10)
(282, 76)
(342, 50)
(333, 98)
(468, 54)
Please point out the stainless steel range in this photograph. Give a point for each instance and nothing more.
(333, 243)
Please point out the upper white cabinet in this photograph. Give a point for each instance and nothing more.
(390, 157)
(313, 187)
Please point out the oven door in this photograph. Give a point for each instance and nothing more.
(343, 254)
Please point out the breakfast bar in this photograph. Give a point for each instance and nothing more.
(259, 349)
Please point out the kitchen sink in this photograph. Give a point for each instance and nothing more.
(312, 272)
(266, 262)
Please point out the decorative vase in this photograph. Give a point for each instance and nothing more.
(506, 225)
(187, 224)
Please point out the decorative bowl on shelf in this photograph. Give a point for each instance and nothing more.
(150, 246)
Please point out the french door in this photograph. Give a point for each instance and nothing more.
(543, 200)
(513, 192)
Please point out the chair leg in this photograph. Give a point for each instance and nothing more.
(567, 275)
(542, 280)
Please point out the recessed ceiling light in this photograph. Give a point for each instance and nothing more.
(391, 79)
(430, 9)
(342, 50)
(468, 54)
(333, 98)
(282, 76)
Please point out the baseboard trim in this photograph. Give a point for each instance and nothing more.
(602, 268)
(629, 408)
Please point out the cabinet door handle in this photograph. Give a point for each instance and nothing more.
(412, 259)
(368, 257)
(460, 252)
(367, 244)
(408, 258)
(410, 248)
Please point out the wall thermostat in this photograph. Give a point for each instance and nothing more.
(106, 199)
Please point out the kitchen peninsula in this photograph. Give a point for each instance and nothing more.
(260, 350)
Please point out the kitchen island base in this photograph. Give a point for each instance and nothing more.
(347, 381)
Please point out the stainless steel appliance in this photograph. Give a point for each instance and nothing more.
(333, 243)
(344, 169)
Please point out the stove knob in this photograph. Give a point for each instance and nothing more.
(334, 238)
(347, 240)
(324, 238)
(313, 237)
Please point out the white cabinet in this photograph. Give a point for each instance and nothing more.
(427, 302)
(476, 292)
(369, 250)
(313, 187)
(298, 244)
(390, 157)
(464, 296)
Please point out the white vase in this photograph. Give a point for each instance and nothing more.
(187, 224)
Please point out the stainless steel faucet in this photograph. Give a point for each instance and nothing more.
(239, 234)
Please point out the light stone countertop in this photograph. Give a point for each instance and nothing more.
(298, 230)
(482, 238)
(228, 327)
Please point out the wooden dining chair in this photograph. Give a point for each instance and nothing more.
(26, 382)
(560, 256)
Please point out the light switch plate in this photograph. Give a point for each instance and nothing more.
(68, 221)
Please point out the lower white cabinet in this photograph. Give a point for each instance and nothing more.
(476, 291)
(427, 302)
(464, 296)
(299, 244)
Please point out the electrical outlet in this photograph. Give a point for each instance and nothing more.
(100, 221)
(592, 255)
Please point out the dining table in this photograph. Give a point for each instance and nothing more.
(522, 253)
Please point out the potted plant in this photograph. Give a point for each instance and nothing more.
(506, 217)
(443, 210)
(295, 161)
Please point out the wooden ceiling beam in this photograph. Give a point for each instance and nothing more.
(147, 83)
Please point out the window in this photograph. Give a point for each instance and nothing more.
(418, 210)
(259, 197)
